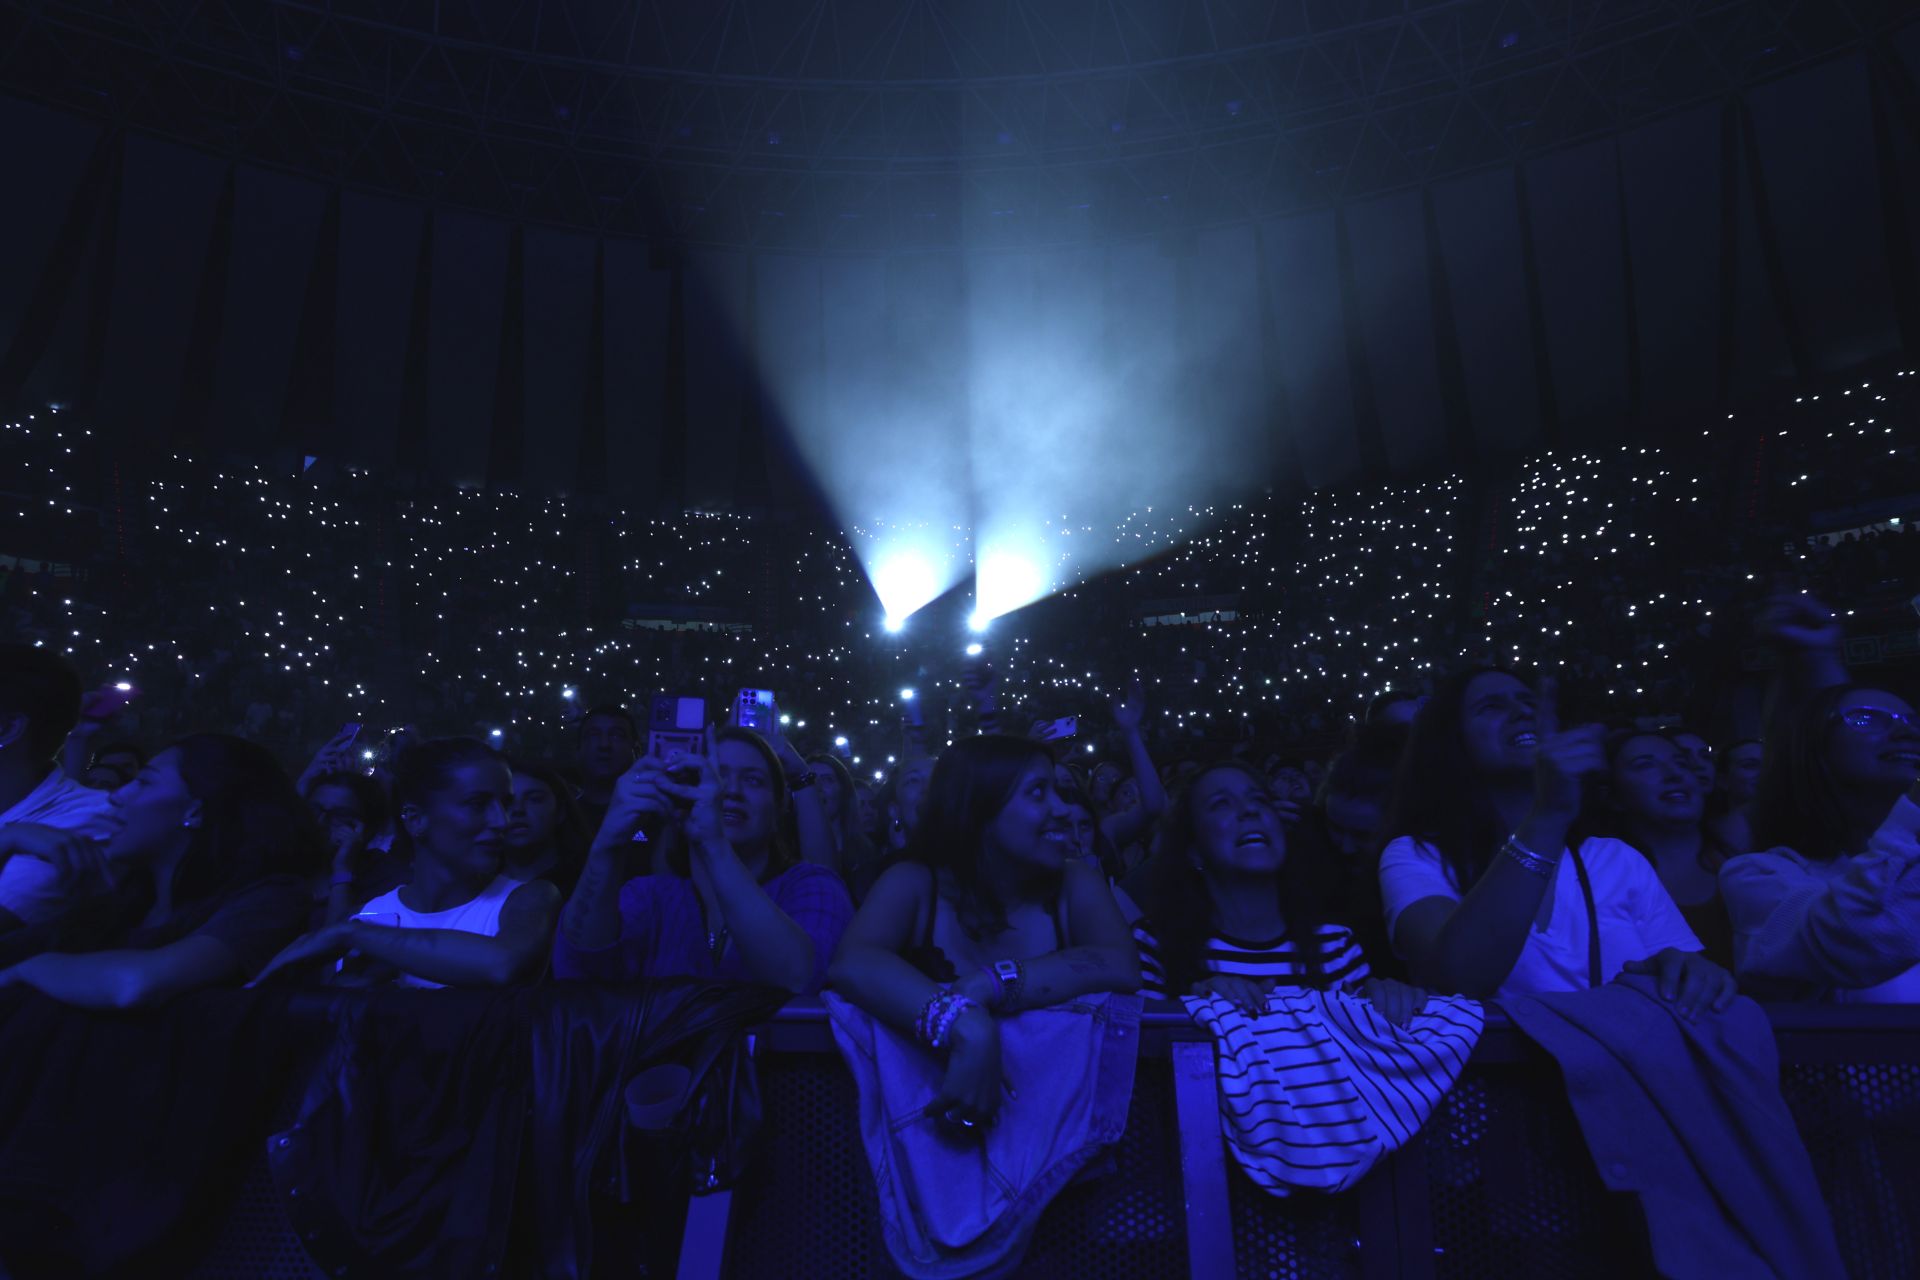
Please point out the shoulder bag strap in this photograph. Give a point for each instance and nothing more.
(1593, 919)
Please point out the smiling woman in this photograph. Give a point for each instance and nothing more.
(989, 914)
(1239, 911)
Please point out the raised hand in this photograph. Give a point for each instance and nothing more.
(792, 763)
(336, 756)
(699, 802)
(1562, 758)
(1130, 709)
(638, 794)
(1798, 621)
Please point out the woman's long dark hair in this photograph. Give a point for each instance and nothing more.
(972, 782)
(1181, 918)
(1437, 798)
(1798, 804)
(253, 821)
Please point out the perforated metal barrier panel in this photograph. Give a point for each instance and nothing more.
(1501, 1185)
(1861, 1124)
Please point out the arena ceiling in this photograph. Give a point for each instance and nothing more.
(858, 125)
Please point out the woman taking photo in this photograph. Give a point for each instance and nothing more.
(459, 920)
(200, 882)
(733, 902)
(1832, 909)
(1239, 912)
(1483, 894)
(989, 914)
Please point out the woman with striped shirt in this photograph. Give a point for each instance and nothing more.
(1232, 914)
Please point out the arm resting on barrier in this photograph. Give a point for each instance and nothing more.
(127, 979)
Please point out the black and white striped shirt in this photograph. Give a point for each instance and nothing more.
(1278, 960)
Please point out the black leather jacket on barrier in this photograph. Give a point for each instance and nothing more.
(423, 1125)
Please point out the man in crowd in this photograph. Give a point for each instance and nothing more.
(609, 744)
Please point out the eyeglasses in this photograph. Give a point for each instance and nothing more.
(1878, 720)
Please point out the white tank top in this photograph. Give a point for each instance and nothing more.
(479, 915)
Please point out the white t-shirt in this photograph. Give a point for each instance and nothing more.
(29, 887)
(1637, 916)
(479, 915)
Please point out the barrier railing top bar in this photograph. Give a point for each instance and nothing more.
(1815, 1031)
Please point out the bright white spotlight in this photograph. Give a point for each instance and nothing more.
(894, 625)
(906, 695)
(978, 620)
(904, 580)
(840, 742)
(975, 650)
(1005, 581)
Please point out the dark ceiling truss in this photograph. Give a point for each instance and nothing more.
(863, 124)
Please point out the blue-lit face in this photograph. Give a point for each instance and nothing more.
(1697, 754)
(1872, 744)
(1741, 774)
(1497, 725)
(463, 824)
(1654, 784)
(1035, 827)
(1236, 824)
(535, 814)
(827, 779)
(606, 747)
(910, 791)
(748, 810)
(152, 812)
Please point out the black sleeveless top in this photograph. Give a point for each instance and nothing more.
(930, 958)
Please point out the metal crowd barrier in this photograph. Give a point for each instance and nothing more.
(1499, 1183)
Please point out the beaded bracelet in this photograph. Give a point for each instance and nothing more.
(923, 1025)
(1528, 859)
(949, 1015)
